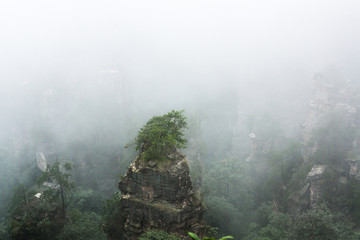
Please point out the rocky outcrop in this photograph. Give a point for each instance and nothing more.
(331, 93)
(354, 168)
(328, 95)
(253, 148)
(160, 197)
(316, 179)
(299, 200)
(41, 161)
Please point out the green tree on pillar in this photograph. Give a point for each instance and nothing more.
(161, 136)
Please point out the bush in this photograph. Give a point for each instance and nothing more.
(112, 217)
(83, 226)
(334, 138)
(161, 135)
(4, 233)
(196, 237)
(268, 224)
(223, 214)
(320, 223)
(158, 235)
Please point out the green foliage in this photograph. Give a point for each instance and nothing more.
(212, 231)
(36, 219)
(283, 165)
(316, 223)
(158, 235)
(87, 200)
(298, 179)
(229, 194)
(97, 161)
(7, 178)
(220, 211)
(83, 226)
(196, 237)
(263, 215)
(277, 227)
(59, 174)
(234, 193)
(4, 231)
(112, 205)
(348, 199)
(113, 217)
(20, 197)
(161, 135)
(41, 218)
(269, 225)
(78, 198)
(334, 138)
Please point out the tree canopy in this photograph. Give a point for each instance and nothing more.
(161, 136)
(58, 174)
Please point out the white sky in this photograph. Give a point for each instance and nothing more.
(181, 41)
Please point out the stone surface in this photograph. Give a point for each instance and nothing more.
(253, 153)
(299, 200)
(41, 161)
(328, 95)
(316, 172)
(160, 197)
(315, 178)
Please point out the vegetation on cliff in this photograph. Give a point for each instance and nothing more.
(51, 211)
(161, 136)
(249, 200)
(58, 175)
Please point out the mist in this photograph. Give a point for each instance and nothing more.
(186, 52)
(81, 78)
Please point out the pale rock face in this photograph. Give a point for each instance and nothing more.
(160, 198)
(253, 153)
(41, 161)
(38, 195)
(316, 188)
(354, 168)
(327, 97)
(316, 171)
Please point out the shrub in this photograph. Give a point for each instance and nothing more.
(84, 226)
(158, 235)
(161, 135)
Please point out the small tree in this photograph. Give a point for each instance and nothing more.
(58, 173)
(161, 135)
(321, 223)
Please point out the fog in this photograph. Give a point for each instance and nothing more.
(91, 71)
(179, 50)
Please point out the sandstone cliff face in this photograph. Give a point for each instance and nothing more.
(315, 178)
(159, 198)
(329, 95)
